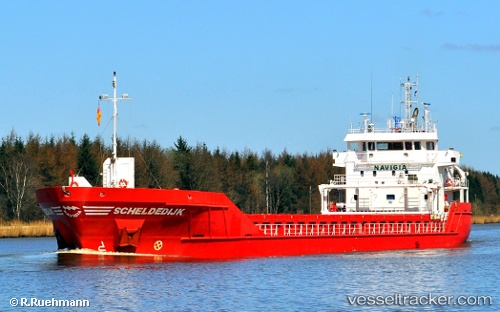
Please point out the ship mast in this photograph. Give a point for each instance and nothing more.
(115, 100)
(408, 86)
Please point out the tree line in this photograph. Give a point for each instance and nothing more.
(264, 183)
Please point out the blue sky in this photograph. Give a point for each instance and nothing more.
(251, 74)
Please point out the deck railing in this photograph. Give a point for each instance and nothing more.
(338, 179)
(339, 229)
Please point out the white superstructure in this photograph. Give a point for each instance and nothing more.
(397, 168)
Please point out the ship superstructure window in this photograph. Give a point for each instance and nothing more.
(412, 178)
(354, 146)
(391, 197)
(393, 146)
(396, 146)
(390, 146)
(382, 146)
(371, 146)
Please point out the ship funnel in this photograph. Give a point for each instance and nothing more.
(414, 119)
(415, 113)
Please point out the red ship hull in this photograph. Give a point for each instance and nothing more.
(194, 225)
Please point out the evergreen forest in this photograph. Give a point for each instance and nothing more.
(265, 183)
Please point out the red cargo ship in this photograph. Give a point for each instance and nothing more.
(398, 192)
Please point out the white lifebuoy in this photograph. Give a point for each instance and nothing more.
(158, 245)
(123, 183)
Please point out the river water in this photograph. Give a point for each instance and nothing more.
(466, 278)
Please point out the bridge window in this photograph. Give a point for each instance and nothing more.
(354, 146)
(430, 146)
(371, 146)
(390, 146)
(382, 146)
(396, 146)
(418, 145)
(408, 146)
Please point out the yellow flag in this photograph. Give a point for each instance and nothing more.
(98, 115)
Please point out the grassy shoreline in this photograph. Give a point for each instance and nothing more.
(26, 229)
(485, 219)
(44, 228)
